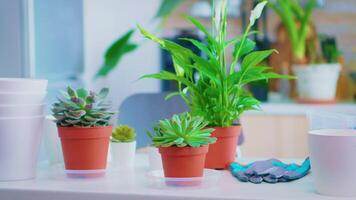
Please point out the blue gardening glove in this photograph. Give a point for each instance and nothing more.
(270, 171)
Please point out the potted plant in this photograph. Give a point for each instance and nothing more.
(218, 95)
(83, 122)
(317, 81)
(183, 142)
(123, 147)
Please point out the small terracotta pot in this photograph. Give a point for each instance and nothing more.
(183, 162)
(85, 148)
(223, 152)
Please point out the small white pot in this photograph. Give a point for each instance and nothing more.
(154, 158)
(123, 154)
(22, 110)
(317, 82)
(333, 161)
(11, 98)
(23, 85)
(19, 145)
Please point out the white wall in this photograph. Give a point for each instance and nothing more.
(104, 22)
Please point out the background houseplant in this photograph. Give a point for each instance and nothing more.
(123, 146)
(316, 81)
(83, 121)
(218, 95)
(183, 142)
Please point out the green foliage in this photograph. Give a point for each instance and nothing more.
(329, 49)
(82, 108)
(296, 19)
(167, 7)
(182, 130)
(123, 133)
(115, 52)
(218, 95)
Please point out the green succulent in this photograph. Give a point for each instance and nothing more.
(123, 133)
(82, 108)
(182, 130)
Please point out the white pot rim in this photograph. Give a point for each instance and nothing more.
(22, 80)
(23, 93)
(22, 105)
(20, 118)
(351, 133)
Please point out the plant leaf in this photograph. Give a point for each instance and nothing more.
(115, 52)
(167, 7)
(256, 12)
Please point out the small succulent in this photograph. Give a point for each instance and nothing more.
(82, 108)
(182, 130)
(123, 133)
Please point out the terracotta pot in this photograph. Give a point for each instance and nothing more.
(85, 148)
(180, 162)
(223, 152)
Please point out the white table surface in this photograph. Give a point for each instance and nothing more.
(54, 185)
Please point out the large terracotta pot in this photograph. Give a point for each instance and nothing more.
(182, 162)
(85, 148)
(223, 152)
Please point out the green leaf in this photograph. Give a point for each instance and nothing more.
(172, 94)
(200, 46)
(82, 93)
(167, 7)
(248, 46)
(255, 58)
(103, 93)
(71, 92)
(115, 53)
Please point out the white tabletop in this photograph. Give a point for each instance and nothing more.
(54, 185)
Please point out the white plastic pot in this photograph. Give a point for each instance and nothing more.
(154, 158)
(23, 85)
(11, 98)
(22, 110)
(123, 154)
(317, 82)
(333, 161)
(19, 145)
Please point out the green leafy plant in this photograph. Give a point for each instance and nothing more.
(329, 49)
(219, 94)
(123, 133)
(82, 108)
(182, 130)
(124, 46)
(296, 19)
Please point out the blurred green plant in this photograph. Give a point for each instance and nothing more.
(296, 19)
(329, 49)
(124, 46)
(182, 130)
(82, 108)
(123, 133)
(219, 94)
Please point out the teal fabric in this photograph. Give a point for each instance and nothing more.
(270, 171)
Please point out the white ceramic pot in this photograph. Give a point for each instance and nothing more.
(19, 145)
(23, 85)
(51, 141)
(317, 82)
(22, 110)
(123, 154)
(10, 98)
(154, 158)
(333, 161)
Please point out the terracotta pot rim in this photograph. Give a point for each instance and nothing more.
(183, 151)
(84, 133)
(222, 132)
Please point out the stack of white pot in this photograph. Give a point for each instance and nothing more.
(22, 107)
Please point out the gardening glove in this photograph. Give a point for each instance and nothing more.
(270, 171)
